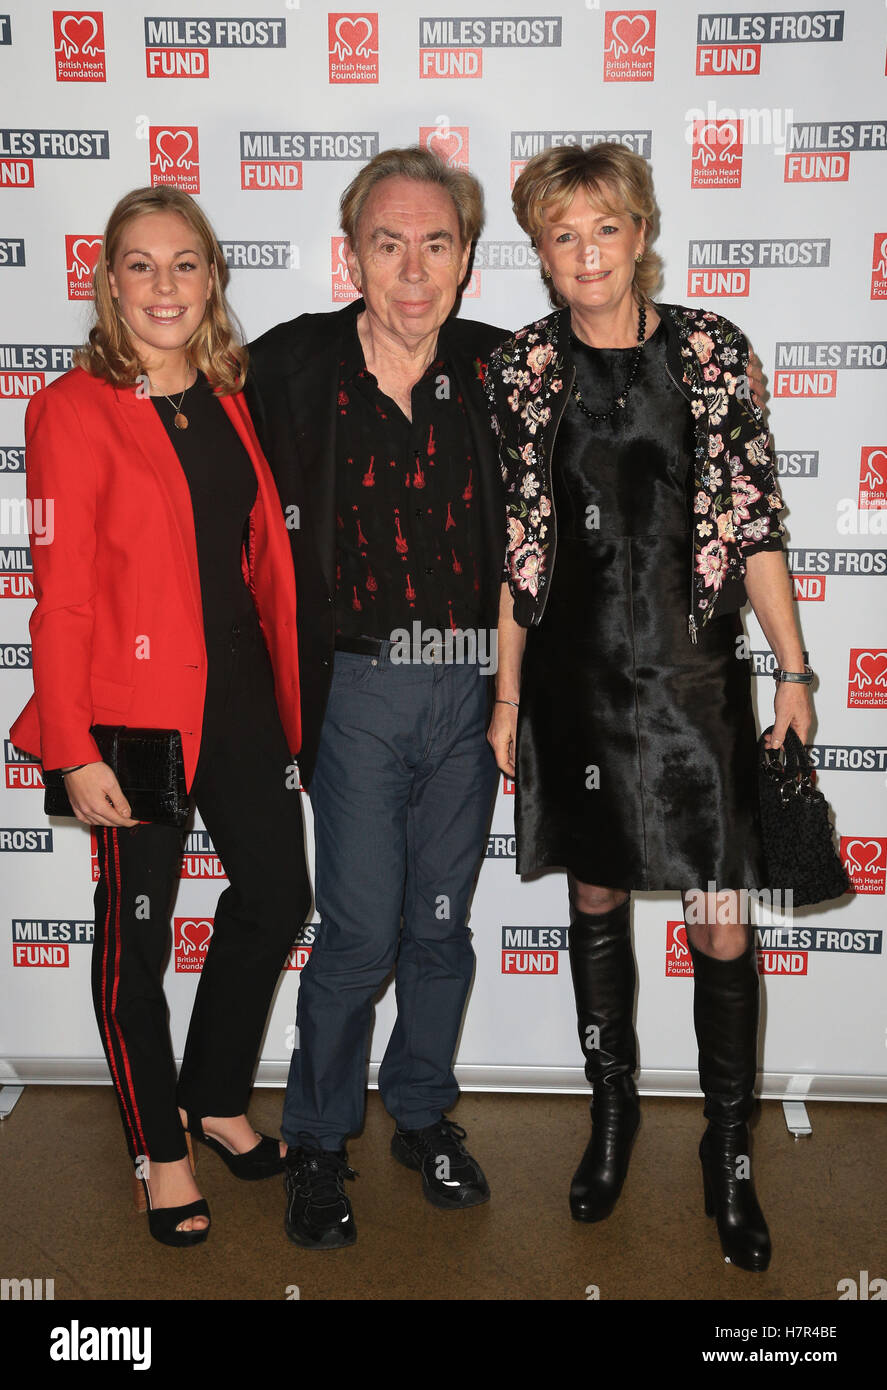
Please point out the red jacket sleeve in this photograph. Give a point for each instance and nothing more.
(61, 480)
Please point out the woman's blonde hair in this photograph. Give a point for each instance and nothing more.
(214, 346)
(618, 180)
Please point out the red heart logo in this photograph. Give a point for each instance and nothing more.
(85, 253)
(872, 666)
(172, 147)
(630, 32)
(445, 142)
(677, 947)
(873, 478)
(359, 30)
(862, 855)
(78, 34)
(194, 934)
(340, 265)
(716, 139)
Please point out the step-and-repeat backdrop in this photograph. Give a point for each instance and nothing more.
(767, 133)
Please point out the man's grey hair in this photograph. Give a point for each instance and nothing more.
(424, 166)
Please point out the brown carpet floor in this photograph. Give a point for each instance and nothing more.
(65, 1211)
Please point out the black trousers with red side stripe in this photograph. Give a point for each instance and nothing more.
(255, 822)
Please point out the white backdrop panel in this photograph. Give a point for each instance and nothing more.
(789, 237)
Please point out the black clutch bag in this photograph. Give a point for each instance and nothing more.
(149, 766)
(799, 848)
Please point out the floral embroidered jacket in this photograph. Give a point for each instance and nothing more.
(736, 501)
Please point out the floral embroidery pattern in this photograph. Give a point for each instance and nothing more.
(702, 345)
(516, 533)
(538, 358)
(527, 566)
(712, 564)
(744, 494)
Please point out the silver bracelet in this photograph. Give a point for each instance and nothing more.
(507, 702)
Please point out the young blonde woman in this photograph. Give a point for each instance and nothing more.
(166, 599)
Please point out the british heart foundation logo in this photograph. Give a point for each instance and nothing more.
(879, 266)
(449, 142)
(354, 47)
(191, 938)
(867, 681)
(175, 157)
(629, 45)
(865, 859)
(678, 962)
(78, 38)
(717, 154)
(81, 254)
(873, 477)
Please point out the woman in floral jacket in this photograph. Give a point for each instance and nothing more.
(642, 512)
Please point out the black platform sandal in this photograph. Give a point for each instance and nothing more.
(262, 1161)
(164, 1221)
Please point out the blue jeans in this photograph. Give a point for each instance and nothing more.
(402, 796)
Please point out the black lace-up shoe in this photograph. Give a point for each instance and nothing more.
(318, 1214)
(451, 1178)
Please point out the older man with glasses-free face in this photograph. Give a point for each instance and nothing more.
(375, 424)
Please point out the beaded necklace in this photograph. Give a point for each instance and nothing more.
(619, 404)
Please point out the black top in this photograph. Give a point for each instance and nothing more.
(223, 488)
(633, 467)
(406, 529)
(642, 455)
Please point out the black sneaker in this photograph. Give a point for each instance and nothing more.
(318, 1214)
(451, 1178)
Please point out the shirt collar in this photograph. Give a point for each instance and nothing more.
(353, 359)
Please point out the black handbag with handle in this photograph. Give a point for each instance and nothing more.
(148, 764)
(797, 835)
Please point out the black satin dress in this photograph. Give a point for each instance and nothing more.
(636, 756)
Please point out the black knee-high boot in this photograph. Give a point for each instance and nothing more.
(725, 1012)
(602, 963)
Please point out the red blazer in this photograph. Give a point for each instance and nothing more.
(117, 632)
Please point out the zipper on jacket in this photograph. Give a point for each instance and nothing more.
(692, 626)
(537, 617)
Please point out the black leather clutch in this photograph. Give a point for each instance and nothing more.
(149, 766)
(799, 849)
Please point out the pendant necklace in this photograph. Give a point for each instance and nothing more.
(619, 403)
(180, 420)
